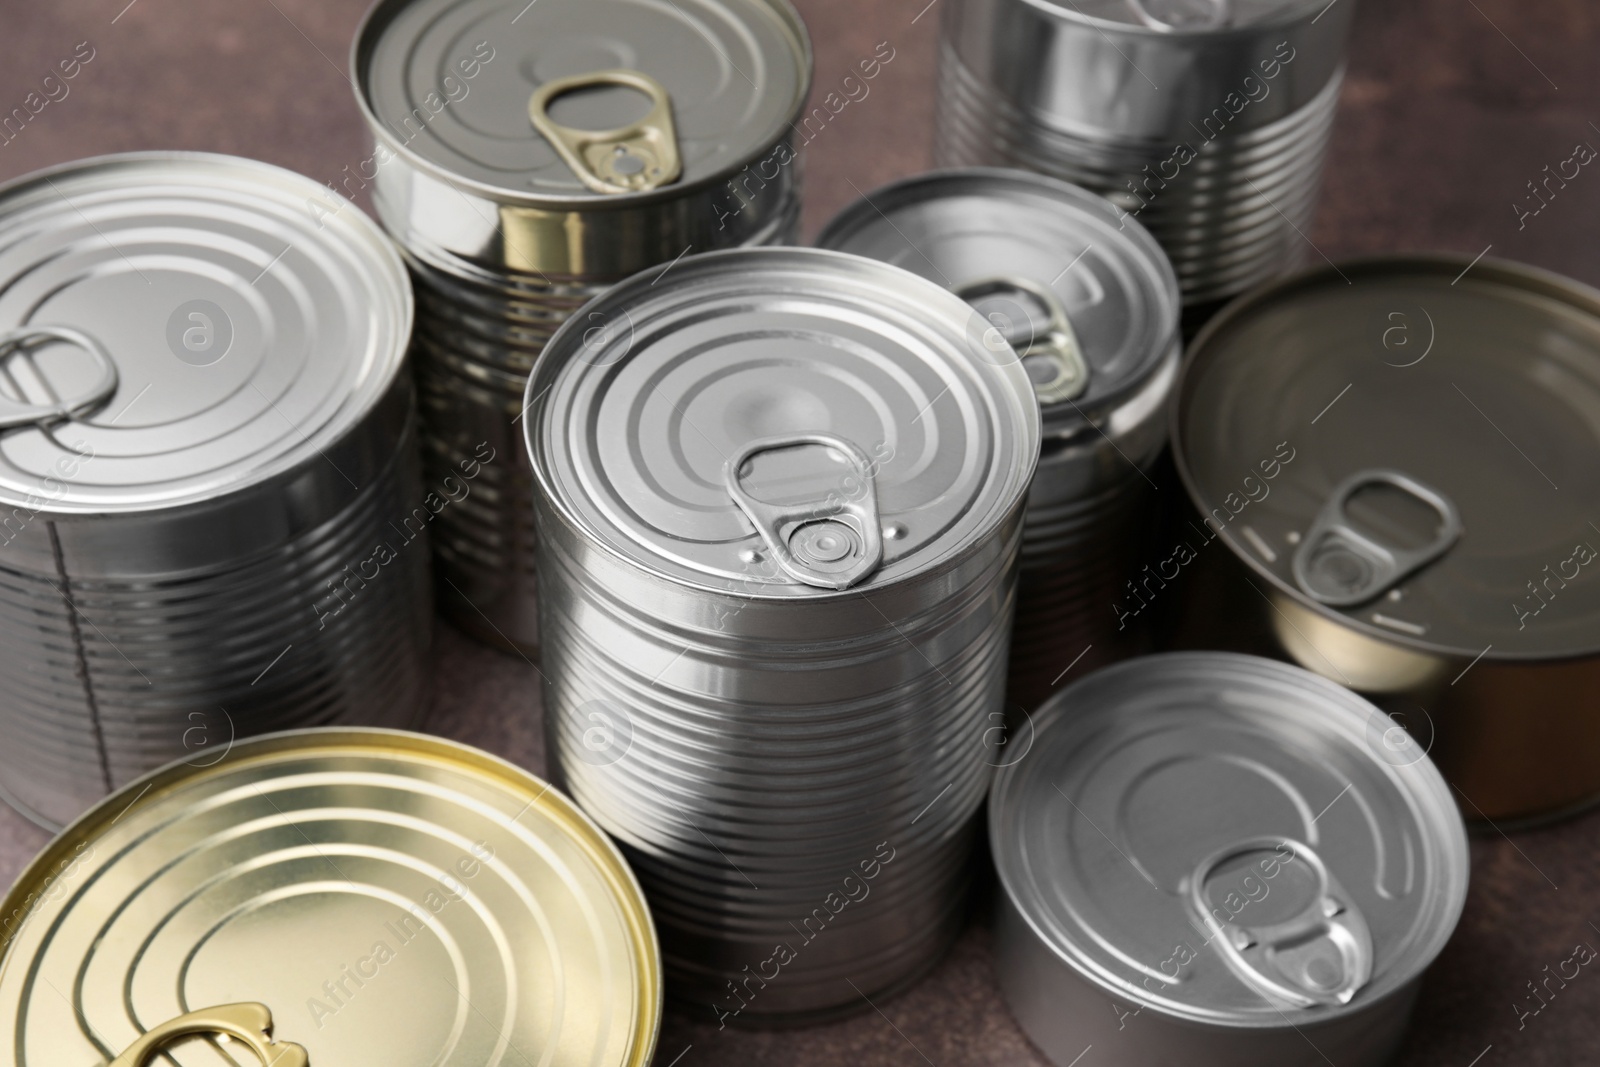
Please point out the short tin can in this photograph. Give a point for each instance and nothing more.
(1399, 455)
(1089, 302)
(210, 518)
(1208, 121)
(1209, 858)
(331, 896)
(782, 494)
(530, 155)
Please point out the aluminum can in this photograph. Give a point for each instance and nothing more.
(1208, 858)
(1090, 303)
(781, 496)
(206, 433)
(1399, 455)
(528, 156)
(1207, 121)
(331, 896)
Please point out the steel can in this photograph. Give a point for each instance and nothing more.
(1206, 121)
(208, 473)
(1210, 858)
(331, 896)
(527, 157)
(1419, 523)
(781, 493)
(1090, 303)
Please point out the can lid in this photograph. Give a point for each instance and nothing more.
(1407, 447)
(176, 326)
(1229, 840)
(781, 422)
(369, 896)
(1031, 253)
(1188, 16)
(569, 101)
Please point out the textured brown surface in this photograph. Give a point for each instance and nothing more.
(1450, 108)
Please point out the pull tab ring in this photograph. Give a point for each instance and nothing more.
(830, 544)
(1178, 16)
(15, 413)
(1053, 359)
(629, 159)
(248, 1022)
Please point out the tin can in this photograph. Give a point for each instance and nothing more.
(1420, 525)
(208, 473)
(1206, 121)
(528, 157)
(1209, 858)
(781, 497)
(1090, 303)
(331, 896)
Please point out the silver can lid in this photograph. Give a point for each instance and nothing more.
(1188, 16)
(1407, 447)
(781, 423)
(620, 88)
(178, 326)
(1049, 266)
(1229, 840)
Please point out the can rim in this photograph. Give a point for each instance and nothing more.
(1291, 13)
(1506, 271)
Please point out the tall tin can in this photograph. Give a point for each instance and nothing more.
(1090, 303)
(782, 495)
(1206, 121)
(210, 517)
(1399, 455)
(527, 157)
(1208, 858)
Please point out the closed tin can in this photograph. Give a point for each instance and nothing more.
(1207, 121)
(527, 157)
(331, 896)
(781, 494)
(1420, 524)
(1208, 858)
(1089, 302)
(208, 474)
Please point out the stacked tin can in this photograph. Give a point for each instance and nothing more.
(210, 521)
(781, 496)
(1089, 302)
(530, 155)
(1207, 120)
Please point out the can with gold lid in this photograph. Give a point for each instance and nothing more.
(331, 896)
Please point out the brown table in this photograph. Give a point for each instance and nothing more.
(1450, 108)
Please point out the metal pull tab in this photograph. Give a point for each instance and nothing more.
(1173, 15)
(1340, 566)
(832, 543)
(14, 413)
(628, 159)
(1052, 357)
(1321, 956)
(249, 1023)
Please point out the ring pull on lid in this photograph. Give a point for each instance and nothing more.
(628, 159)
(249, 1023)
(832, 543)
(1052, 356)
(1340, 566)
(1182, 15)
(18, 412)
(1320, 956)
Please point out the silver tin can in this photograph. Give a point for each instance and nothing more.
(1089, 301)
(205, 433)
(781, 496)
(1208, 858)
(1207, 121)
(527, 157)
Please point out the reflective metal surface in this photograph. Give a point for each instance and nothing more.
(1209, 858)
(215, 514)
(331, 896)
(786, 720)
(505, 240)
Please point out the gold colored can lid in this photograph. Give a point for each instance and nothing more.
(331, 897)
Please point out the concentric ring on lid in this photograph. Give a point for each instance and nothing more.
(248, 331)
